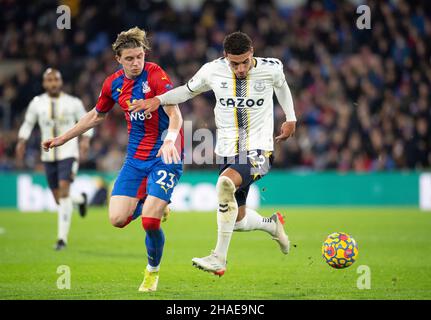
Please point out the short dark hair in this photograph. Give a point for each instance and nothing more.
(237, 43)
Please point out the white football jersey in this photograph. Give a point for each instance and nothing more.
(55, 116)
(244, 107)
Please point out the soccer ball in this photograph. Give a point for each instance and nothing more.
(340, 250)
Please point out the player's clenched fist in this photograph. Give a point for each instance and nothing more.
(52, 143)
(287, 130)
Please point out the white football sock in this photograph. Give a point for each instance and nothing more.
(226, 215)
(77, 199)
(254, 221)
(153, 269)
(65, 209)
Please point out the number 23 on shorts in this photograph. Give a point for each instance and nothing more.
(166, 180)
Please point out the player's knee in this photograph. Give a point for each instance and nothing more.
(149, 223)
(118, 221)
(55, 195)
(63, 192)
(225, 185)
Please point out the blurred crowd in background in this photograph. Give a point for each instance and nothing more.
(362, 97)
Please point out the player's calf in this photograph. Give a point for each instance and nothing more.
(154, 241)
(226, 215)
(252, 220)
(225, 189)
(228, 207)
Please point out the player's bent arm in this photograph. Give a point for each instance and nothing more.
(26, 129)
(20, 149)
(175, 117)
(284, 97)
(88, 121)
(22, 140)
(29, 122)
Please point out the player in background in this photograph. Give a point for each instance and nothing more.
(56, 112)
(153, 164)
(244, 87)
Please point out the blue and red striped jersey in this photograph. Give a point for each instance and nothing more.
(145, 132)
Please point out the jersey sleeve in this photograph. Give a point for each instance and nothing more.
(199, 82)
(29, 120)
(159, 81)
(279, 77)
(105, 102)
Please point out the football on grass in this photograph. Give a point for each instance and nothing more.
(340, 250)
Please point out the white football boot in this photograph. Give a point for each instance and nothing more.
(210, 263)
(280, 235)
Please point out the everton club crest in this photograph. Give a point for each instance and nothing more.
(259, 85)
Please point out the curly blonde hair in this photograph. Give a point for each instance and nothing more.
(132, 38)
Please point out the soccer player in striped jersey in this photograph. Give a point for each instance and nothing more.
(55, 112)
(153, 164)
(244, 87)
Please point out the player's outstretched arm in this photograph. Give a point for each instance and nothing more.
(172, 97)
(196, 85)
(168, 150)
(90, 120)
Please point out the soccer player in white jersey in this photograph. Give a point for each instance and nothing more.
(244, 87)
(56, 112)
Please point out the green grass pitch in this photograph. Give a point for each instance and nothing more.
(108, 263)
